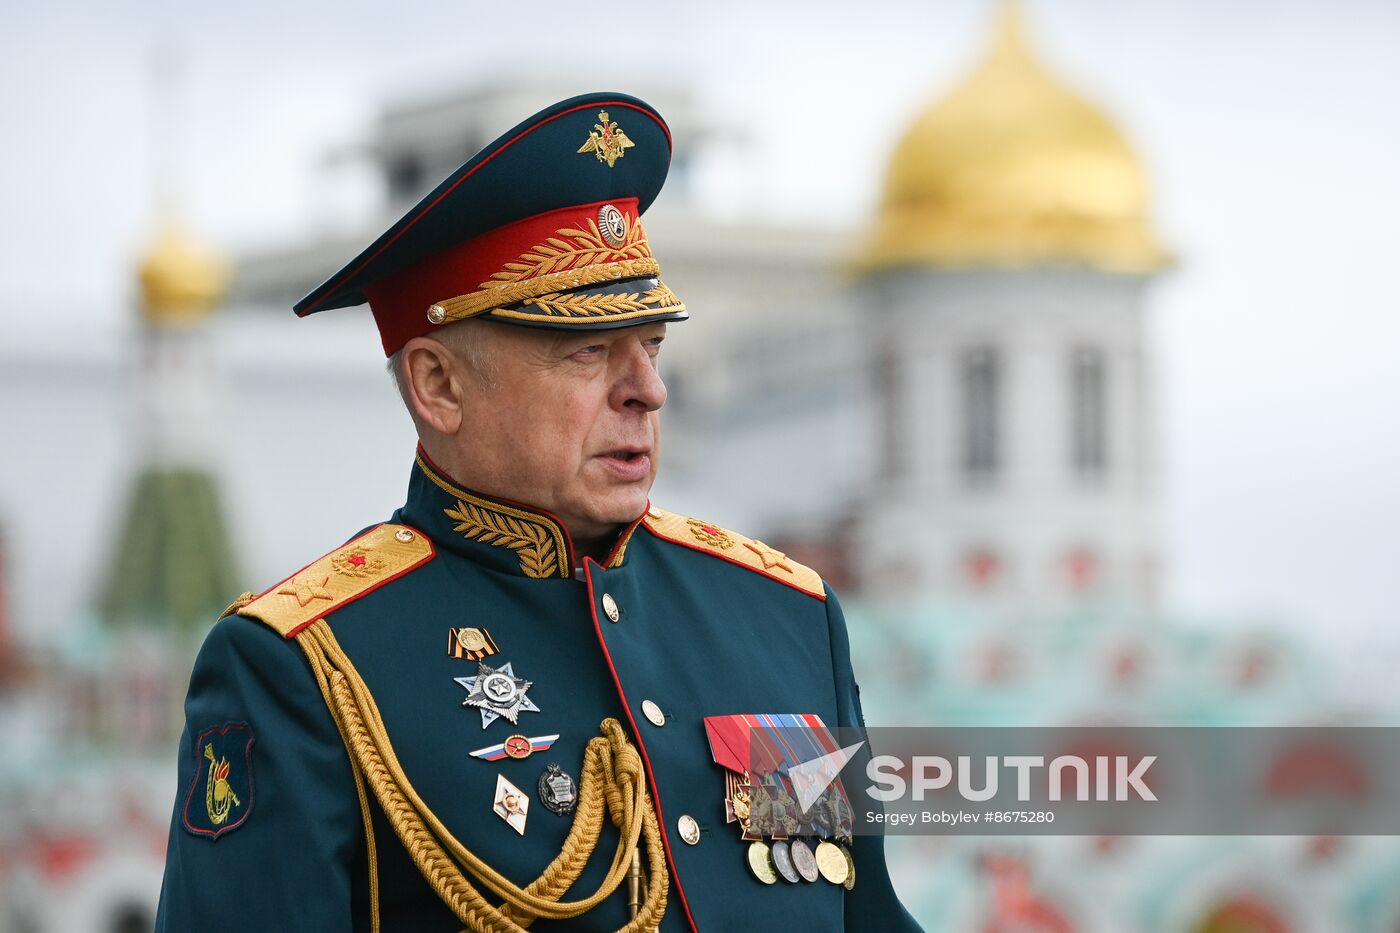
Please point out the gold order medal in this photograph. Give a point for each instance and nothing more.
(850, 881)
(803, 860)
(761, 863)
(782, 861)
(831, 862)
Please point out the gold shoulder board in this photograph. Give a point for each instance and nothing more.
(735, 548)
(341, 577)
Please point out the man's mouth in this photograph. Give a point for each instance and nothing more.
(627, 454)
(628, 464)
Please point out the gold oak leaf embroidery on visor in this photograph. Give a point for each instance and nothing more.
(573, 258)
(654, 299)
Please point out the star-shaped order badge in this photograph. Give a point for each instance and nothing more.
(497, 692)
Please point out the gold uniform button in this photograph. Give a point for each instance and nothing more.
(653, 713)
(690, 830)
(610, 608)
(404, 535)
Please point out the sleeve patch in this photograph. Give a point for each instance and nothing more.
(220, 798)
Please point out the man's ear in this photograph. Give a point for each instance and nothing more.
(434, 379)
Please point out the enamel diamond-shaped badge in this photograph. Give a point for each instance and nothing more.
(497, 692)
(511, 804)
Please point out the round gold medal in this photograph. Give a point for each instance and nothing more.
(761, 863)
(831, 863)
(850, 881)
(471, 639)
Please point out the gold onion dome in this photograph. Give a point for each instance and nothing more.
(1014, 169)
(181, 279)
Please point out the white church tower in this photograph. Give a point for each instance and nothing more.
(1007, 271)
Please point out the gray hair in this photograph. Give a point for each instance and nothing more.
(465, 340)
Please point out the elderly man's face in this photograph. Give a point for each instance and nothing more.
(569, 424)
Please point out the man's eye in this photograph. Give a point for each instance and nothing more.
(592, 350)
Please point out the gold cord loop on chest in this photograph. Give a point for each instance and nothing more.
(613, 783)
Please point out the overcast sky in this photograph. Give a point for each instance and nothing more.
(1270, 130)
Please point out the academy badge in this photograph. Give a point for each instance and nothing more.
(220, 797)
(497, 692)
(511, 804)
(558, 792)
(606, 141)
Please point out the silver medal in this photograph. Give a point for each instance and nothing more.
(782, 861)
(497, 692)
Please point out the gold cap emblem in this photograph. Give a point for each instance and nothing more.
(606, 141)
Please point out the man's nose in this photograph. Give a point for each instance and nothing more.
(639, 385)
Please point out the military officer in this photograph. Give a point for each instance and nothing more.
(508, 705)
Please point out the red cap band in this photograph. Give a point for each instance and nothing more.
(557, 241)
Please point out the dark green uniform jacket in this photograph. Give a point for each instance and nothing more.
(267, 832)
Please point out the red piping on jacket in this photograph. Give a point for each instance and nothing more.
(641, 746)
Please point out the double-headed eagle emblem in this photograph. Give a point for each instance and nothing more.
(606, 141)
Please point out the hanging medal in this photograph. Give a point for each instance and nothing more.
(472, 644)
(498, 693)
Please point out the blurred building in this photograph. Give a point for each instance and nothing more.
(1006, 549)
(93, 792)
(949, 413)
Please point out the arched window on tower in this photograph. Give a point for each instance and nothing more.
(981, 392)
(1088, 413)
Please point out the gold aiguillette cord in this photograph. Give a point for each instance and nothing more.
(613, 781)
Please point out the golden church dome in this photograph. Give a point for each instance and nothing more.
(181, 280)
(1013, 168)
